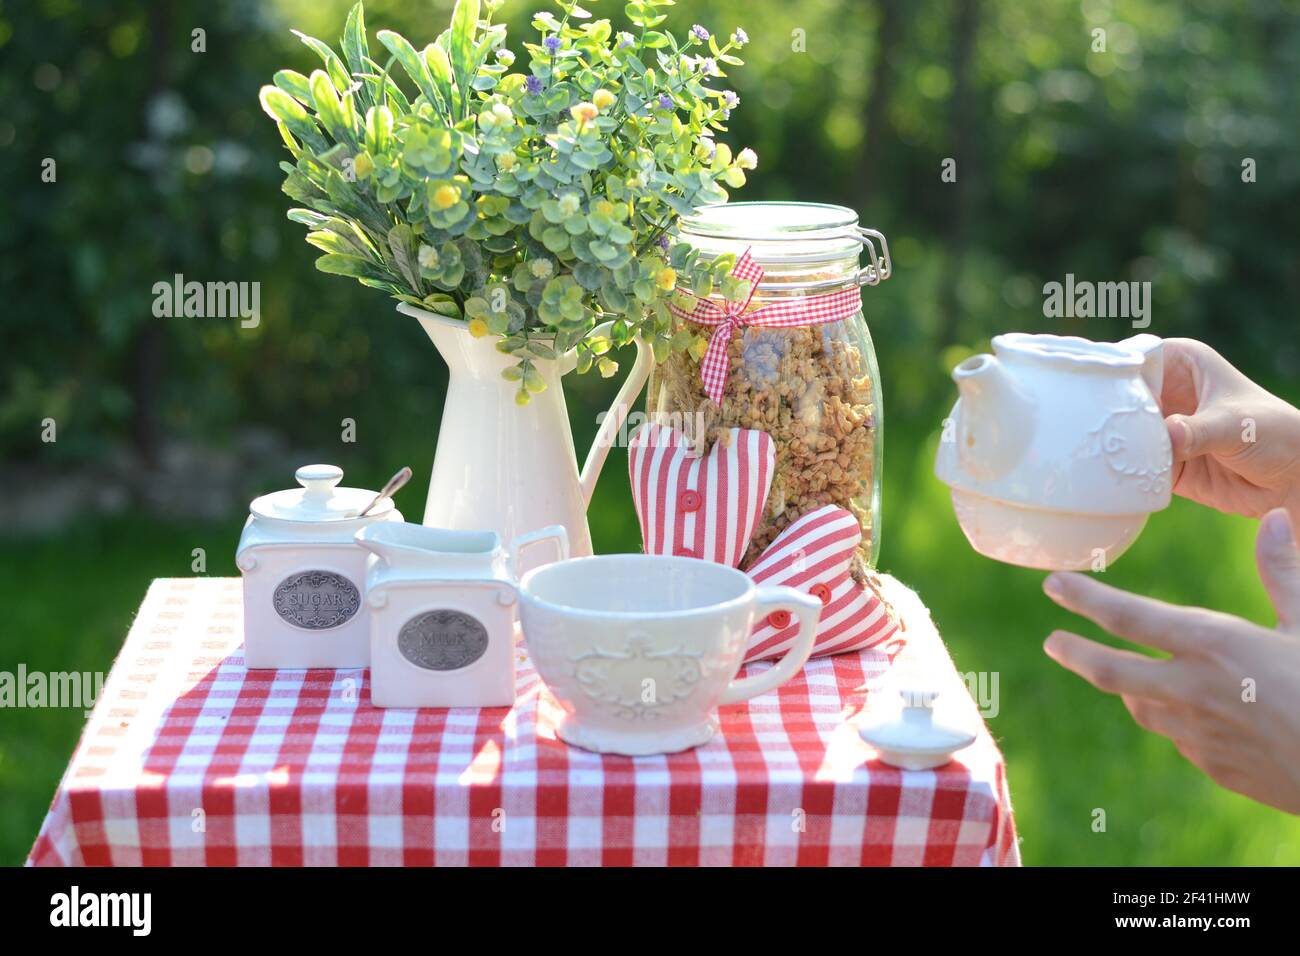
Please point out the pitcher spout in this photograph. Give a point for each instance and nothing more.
(994, 417)
(412, 545)
(462, 352)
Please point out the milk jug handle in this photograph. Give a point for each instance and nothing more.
(1153, 365)
(613, 419)
(552, 532)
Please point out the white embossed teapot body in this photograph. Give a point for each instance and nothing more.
(1057, 452)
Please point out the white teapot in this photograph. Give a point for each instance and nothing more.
(1057, 452)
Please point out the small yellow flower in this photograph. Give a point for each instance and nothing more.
(604, 207)
(603, 99)
(584, 112)
(363, 165)
(507, 162)
(666, 279)
(478, 328)
(444, 197)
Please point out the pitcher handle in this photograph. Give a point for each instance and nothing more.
(618, 411)
(552, 532)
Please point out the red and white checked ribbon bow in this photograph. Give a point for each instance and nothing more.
(783, 313)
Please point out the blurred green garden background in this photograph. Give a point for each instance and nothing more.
(1170, 156)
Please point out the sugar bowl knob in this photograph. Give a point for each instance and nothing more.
(319, 480)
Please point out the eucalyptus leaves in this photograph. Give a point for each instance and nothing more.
(534, 206)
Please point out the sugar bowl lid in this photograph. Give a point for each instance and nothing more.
(319, 499)
(916, 738)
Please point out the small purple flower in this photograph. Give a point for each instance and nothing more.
(552, 44)
(700, 33)
(740, 37)
(708, 66)
(730, 100)
(662, 242)
(625, 40)
(665, 101)
(533, 85)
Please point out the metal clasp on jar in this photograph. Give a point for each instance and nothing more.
(879, 268)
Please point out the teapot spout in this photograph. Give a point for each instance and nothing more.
(994, 417)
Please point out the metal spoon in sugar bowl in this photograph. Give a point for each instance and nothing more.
(391, 487)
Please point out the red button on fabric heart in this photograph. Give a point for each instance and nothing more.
(708, 505)
(779, 620)
(813, 554)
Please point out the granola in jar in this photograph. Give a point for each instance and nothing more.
(814, 388)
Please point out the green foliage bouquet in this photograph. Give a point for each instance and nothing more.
(534, 206)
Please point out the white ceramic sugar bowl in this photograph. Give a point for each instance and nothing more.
(1057, 452)
(304, 573)
(442, 613)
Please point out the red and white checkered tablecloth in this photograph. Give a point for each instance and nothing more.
(189, 759)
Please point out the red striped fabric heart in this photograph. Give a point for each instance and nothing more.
(814, 555)
(703, 507)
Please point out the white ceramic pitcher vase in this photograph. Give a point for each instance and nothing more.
(511, 468)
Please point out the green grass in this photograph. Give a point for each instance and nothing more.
(1070, 750)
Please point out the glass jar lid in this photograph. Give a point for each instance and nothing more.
(319, 499)
(800, 245)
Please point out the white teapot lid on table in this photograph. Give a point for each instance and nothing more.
(319, 499)
(914, 739)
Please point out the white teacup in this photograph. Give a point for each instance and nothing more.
(639, 649)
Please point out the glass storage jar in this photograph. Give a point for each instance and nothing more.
(813, 387)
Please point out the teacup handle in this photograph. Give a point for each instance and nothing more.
(809, 611)
(552, 532)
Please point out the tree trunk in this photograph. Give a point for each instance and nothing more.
(148, 353)
(875, 122)
(961, 137)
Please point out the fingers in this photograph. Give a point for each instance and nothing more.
(1139, 619)
(1197, 381)
(1279, 567)
(1110, 669)
(1153, 715)
(1214, 431)
(1187, 378)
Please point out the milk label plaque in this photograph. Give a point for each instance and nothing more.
(442, 640)
(316, 600)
